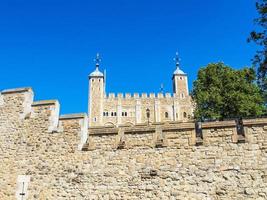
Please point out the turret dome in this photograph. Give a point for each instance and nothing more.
(178, 72)
(97, 73)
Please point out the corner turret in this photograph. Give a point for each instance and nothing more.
(96, 95)
(179, 78)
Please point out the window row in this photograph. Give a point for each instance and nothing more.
(124, 114)
(114, 114)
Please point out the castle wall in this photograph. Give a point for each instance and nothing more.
(159, 161)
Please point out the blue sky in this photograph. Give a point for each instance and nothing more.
(50, 44)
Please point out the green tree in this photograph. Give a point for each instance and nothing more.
(222, 92)
(260, 38)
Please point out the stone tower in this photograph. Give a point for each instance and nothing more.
(180, 83)
(96, 95)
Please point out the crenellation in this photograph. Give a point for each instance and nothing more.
(48, 109)
(82, 120)
(136, 95)
(20, 99)
(111, 95)
(160, 95)
(144, 95)
(128, 96)
(152, 95)
(168, 95)
(120, 95)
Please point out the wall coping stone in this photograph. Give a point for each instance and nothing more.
(256, 121)
(218, 124)
(44, 102)
(17, 90)
(72, 116)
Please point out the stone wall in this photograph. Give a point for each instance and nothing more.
(47, 156)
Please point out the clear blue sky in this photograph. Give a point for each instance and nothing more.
(50, 44)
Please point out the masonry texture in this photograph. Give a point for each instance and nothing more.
(47, 156)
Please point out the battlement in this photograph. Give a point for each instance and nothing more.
(139, 96)
(45, 113)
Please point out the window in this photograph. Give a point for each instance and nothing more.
(122, 114)
(147, 113)
(166, 115)
(104, 114)
(115, 114)
(112, 114)
(185, 115)
(181, 78)
(125, 114)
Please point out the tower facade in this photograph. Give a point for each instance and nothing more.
(96, 95)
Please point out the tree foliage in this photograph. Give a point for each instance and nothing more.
(222, 92)
(260, 38)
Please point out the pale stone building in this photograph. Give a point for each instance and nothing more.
(114, 110)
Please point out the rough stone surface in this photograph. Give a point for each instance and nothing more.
(219, 168)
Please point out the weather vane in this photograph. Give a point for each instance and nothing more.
(177, 60)
(97, 60)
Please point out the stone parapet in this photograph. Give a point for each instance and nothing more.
(47, 156)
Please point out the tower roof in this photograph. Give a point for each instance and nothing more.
(177, 60)
(97, 73)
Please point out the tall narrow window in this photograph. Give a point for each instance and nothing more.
(185, 115)
(166, 115)
(147, 113)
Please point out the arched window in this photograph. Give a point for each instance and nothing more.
(185, 115)
(122, 114)
(125, 114)
(112, 114)
(115, 114)
(166, 115)
(104, 114)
